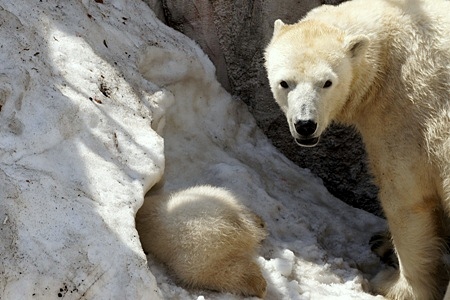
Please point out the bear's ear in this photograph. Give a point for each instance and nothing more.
(277, 26)
(357, 45)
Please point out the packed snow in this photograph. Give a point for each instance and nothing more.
(99, 102)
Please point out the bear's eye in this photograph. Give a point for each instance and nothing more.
(327, 84)
(284, 84)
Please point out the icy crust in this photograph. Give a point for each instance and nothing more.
(80, 144)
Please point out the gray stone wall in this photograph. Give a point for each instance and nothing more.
(234, 35)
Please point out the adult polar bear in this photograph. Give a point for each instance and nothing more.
(384, 67)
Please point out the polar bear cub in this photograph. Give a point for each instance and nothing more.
(206, 237)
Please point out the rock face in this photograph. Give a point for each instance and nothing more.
(234, 35)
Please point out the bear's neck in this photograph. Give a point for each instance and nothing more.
(364, 89)
(369, 74)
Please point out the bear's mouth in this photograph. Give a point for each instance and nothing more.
(309, 142)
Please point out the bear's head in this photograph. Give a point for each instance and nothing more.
(310, 67)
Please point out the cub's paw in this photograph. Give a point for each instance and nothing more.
(253, 284)
(381, 245)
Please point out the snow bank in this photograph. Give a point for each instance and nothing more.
(77, 151)
(80, 144)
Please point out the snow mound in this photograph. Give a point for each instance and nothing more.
(99, 101)
(77, 150)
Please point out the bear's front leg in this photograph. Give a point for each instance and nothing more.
(415, 226)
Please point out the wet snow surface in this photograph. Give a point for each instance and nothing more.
(98, 102)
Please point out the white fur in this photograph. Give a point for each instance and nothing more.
(206, 237)
(389, 61)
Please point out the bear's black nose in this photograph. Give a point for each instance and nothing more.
(305, 128)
